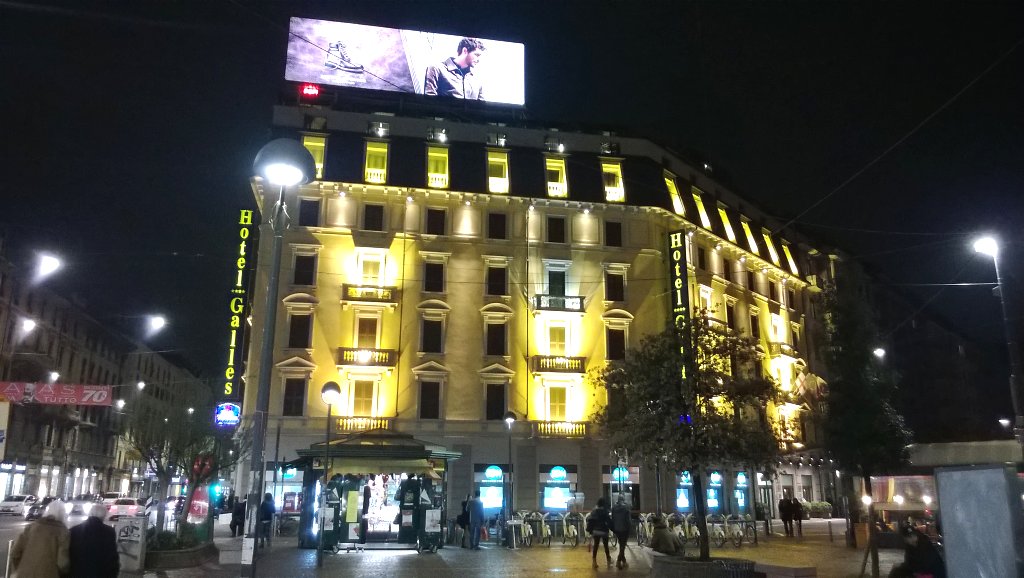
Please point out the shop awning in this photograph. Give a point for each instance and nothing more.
(378, 451)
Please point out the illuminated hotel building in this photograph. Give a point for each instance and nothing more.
(444, 273)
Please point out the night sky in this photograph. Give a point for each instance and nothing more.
(129, 128)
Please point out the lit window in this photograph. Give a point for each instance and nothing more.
(366, 333)
(673, 193)
(362, 398)
(705, 299)
(611, 172)
(704, 220)
(789, 258)
(725, 223)
(497, 171)
(771, 247)
(371, 270)
(556, 340)
(317, 146)
(437, 167)
(750, 238)
(376, 162)
(556, 403)
(555, 170)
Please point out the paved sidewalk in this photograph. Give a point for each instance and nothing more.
(284, 560)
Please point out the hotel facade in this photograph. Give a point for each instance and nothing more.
(445, 273)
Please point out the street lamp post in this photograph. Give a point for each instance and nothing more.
(510, 418)
(331, 394)
(989, 246)
(284, 163)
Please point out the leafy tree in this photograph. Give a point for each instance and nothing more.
(171, 439)
(863, 431)
(694, 396)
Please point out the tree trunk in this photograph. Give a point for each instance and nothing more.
(754, 489)
(162, 483)
(700, 501)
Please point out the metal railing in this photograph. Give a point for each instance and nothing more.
(559, 302)
(372, 293)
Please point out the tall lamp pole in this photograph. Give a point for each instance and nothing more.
(331, 394)
(989, 246)
(284, 163)
(510, 418)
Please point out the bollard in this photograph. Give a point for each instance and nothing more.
(10, 548)
(830, 538)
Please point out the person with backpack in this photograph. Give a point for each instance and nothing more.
(622, 522)
(599, 524)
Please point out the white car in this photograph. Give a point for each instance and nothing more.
(16, 504)
(109, 498)
(125, 507)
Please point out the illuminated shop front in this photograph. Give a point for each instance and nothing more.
(714, 492)
(491, 480)
(740, 494)
(382, 486)
(621, 481)
(558, 487)
(684, 491)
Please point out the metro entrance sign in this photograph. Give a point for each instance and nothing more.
(55, 393)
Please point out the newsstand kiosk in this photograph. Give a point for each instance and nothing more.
(384, 490)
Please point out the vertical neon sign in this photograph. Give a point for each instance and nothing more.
(236, 303)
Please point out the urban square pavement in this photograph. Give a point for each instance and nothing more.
(285, 560)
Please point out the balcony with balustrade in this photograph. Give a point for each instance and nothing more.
(351, 424)
(779, 349)
(377, 176)
(365, 357)
(557, 190)
(558, 429)
(558, 364)
(437, 180)
(572, 303)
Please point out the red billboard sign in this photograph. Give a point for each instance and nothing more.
(55, 393)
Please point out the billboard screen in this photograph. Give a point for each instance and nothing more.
(426, 63)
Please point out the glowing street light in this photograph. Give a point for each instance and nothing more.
(48, 265)
(141, 385)
(54, 376)
(330, 393)
(191, 410)
(120, 404)
(865, 499)
(281, 163)
(988, 245)
(28, 325)
(879, 352)
(156, 323)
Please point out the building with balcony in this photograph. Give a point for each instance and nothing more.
(444, 282)
(66, 450)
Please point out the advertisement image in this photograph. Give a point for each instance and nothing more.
(409, 61)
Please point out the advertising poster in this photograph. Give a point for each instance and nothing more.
(410, 61)
(55, 393)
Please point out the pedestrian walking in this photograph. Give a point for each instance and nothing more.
(622, 522)
(237, 524)
(798, 516)
(786, 514)
(94, 547)
(462, 520)
(598, 525)
(265, 519)
(476, 520)
(42, 550)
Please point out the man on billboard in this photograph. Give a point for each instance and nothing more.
(454, 76)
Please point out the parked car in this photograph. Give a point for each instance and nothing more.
(35, 511)
(125, 507)
(16, 504)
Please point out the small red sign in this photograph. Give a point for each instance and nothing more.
(55, 393)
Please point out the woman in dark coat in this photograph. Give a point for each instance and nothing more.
(622, 522)
(599, 525)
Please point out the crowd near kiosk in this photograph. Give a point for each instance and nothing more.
(373, 489)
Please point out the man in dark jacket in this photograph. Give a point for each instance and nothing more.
(237, 524)
(786, 514)
(265, 519)
(476, 520)
(621, 523)
(94, 547)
